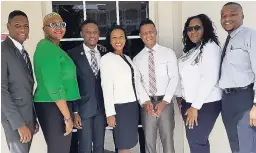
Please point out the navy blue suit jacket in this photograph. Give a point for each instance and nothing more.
(91, 102)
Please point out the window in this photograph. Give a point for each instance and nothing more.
(72, 14)
(101, 11)
(129, 15)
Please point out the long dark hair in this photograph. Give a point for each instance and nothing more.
(108, 43)
(209, 33)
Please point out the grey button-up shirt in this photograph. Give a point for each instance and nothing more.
(239, 64)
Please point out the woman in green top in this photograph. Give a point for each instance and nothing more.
(56, 86)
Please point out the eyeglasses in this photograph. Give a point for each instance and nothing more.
(196, 28)
(148, 33)
(92, 32)
(57, 25)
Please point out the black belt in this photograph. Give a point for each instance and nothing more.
(156, 98)
(232, 90)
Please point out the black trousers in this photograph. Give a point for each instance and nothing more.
(53, 127)
(198, 136)
(92, 132)
(74, 143)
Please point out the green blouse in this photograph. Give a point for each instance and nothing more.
(55, 74)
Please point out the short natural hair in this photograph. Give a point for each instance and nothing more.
(233, 3)
(16, 13)
(50, 15)
(146, 21)
(87, 22)
(236, 4)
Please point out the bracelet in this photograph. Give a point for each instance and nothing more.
(66, 119)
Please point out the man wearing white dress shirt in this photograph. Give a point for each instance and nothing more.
(238, 80)
(158, 79)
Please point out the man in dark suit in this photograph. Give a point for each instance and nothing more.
(18, 117)
(89, 110)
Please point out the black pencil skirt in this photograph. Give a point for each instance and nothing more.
(127, 120)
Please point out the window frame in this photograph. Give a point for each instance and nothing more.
(117, 21)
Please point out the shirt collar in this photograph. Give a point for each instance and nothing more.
(87, 49)
(155, 48)
(16, 43)
(233, 33)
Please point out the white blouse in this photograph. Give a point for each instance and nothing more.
(198, 81)
(116, 81)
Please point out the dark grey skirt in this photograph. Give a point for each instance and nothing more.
(126, 130)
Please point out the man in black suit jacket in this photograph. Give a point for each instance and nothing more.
(89, 110)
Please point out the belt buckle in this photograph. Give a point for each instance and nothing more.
(154, 98)
(229, 90)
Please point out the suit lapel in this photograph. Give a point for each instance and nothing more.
(84, 59)
(102, 50)
(19, 56)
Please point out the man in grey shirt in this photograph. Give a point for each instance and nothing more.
(238, 80)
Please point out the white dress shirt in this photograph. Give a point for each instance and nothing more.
(116, 81)
(16, 44)
(199, 80)
(87, 52)
(239, 64)
(166, 71)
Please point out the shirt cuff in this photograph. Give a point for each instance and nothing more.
(110, 111)
(197, 105)
(143, 100)
(167, 98)
(17, 124)
(178, 92)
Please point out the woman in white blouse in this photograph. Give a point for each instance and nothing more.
(199, 74)
(119, 92)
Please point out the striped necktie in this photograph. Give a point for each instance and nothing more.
(152, 74)
(94, 64)
(25, 56)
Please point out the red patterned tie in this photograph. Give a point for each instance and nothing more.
(152, 74)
